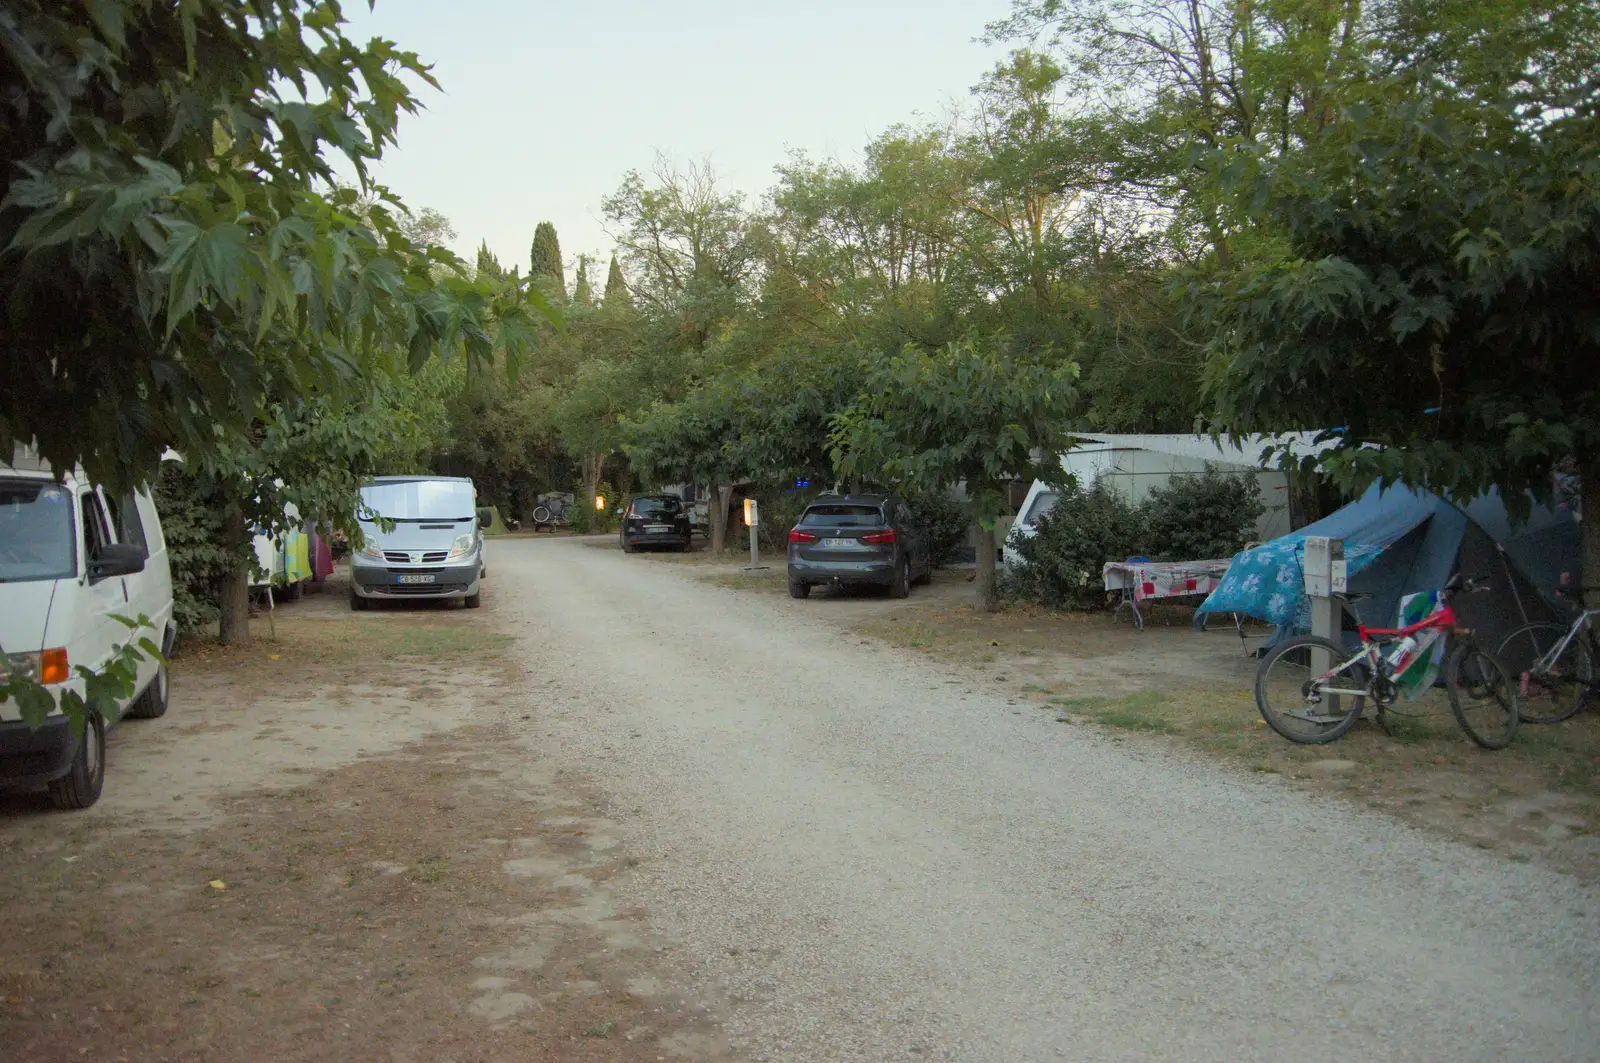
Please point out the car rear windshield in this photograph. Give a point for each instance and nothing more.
(656, 507)
(35, 532)
(843, 516)
(418, 500)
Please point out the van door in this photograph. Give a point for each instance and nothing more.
(103, 597)
(149, 592)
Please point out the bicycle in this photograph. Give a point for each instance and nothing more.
(1554, 666)
(1312, 689)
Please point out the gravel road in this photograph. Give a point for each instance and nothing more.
(858, 860)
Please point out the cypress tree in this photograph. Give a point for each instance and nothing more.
(580, 287)
(616, 287)
(487, 263)
(546, 256)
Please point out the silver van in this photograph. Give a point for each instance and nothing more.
(435, 549)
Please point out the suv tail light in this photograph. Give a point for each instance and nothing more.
(882, 538)
(798, 536)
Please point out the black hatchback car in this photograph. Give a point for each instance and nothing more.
(655, 520)
(857, 539)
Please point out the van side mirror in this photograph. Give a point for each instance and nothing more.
(116, 559)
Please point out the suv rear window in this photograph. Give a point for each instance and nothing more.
(843, 516)
(656, 507)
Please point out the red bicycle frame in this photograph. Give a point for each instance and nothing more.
(1445, 618)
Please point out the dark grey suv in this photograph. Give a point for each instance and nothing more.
(857, 539)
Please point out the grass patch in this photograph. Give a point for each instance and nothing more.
(428, 640)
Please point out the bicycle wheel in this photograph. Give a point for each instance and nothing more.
(1483, 695)
(1302, 705)
(1548, 695)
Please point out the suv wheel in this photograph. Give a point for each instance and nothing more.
(798, 589)
(901, 587)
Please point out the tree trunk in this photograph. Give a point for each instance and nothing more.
(988, 593)
(1589, 479)
(594, 466)
(233, 593)
(719, 517)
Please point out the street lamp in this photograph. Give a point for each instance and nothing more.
(600, 502)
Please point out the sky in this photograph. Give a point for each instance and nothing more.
(545, 106)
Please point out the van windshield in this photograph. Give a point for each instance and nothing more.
(418, 500)
(36, 540)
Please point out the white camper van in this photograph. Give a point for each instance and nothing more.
(73, 557)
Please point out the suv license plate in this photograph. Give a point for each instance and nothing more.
(840, 544)
(416, 579)
(657, 528)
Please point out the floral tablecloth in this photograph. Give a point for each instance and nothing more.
(1142, 580)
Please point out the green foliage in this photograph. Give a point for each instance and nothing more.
(545, 264)
(103, 689)
(582, 293)
(617, 286)
(1191, 518)
(172, 263)
(198, 552)
(943, 519)
(1062, 560)
(1440, 298)
(970, 413)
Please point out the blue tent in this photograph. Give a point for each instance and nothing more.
(1398, 541)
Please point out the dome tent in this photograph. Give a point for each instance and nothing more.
(1399, 541)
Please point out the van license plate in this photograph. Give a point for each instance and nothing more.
(416, 579)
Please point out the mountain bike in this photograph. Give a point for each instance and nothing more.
(1554, 666)
(1312, 690)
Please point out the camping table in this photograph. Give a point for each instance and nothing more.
(1140, 581)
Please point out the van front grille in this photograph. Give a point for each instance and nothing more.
(402, 557)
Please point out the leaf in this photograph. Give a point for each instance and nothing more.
(218, 885)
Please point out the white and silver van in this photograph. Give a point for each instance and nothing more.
(434, 550)
(73, 557)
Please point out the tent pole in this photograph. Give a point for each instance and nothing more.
(1510, 579)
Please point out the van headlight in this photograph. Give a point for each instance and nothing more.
(462, 546)
(371, 549)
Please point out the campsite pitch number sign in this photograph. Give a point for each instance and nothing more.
(1324, 567)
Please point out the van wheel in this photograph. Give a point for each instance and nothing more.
(473, 600)
(80, 786)
(153, 702)
(358, 604)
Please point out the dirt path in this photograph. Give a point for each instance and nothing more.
(342, 844)
(866, 858)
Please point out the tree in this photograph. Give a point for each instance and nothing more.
(1437, 317)
(488, 265)
(970, 414)
(545, 259)
(170, 264)
(582, 295)
(617, 286)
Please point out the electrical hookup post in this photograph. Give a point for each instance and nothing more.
(1325, 576)
(752, 520)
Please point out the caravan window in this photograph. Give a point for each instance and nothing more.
(35, 532)
(1043, 503)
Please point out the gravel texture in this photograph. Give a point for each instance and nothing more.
(860, 861)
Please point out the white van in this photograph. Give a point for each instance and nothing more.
(434, 550)
(72, 558)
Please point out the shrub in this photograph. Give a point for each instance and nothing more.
(1061, 561)
(1196, 517)
(191, 523)
(944, 520)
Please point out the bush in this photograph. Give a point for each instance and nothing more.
(191, 523)
(1190, 519)
(1197, 517)
(945, 522)
(1061, 561)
